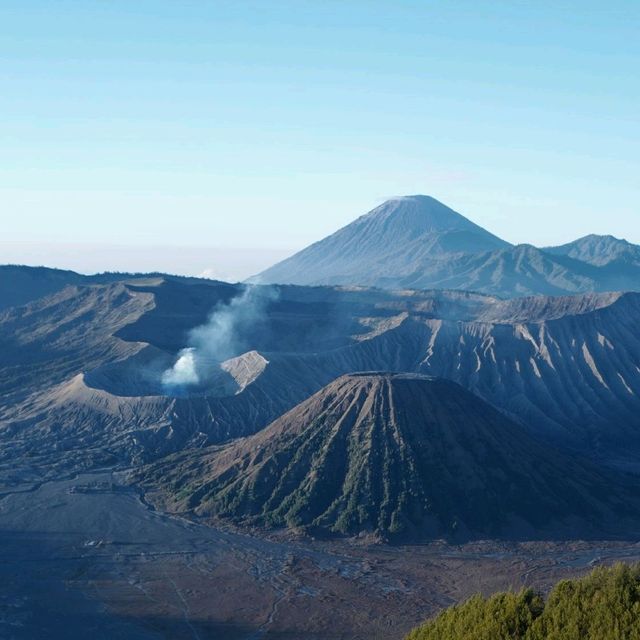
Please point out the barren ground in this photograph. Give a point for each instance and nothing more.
(85, 557)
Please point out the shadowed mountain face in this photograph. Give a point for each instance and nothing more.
(20, 284)
(82, 369)
(417, 242)
(391, 454)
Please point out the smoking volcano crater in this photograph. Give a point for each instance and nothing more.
(153, 372)
(214, 361)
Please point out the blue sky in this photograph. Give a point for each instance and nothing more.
(193, 136)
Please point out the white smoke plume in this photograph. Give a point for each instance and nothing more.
(183, 371)
(222, 337)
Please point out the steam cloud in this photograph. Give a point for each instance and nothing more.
(183, 371)
(222, 337)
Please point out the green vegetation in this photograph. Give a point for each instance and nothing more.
(605, 605)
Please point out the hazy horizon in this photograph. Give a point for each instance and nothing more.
(230, 264)
(215, 262)
(245, 125)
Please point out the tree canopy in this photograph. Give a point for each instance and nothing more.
(605, 605)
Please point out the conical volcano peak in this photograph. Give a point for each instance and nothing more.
(418, 214)
(392, 453)
(393, 242)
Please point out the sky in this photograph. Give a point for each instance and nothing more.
(214, 137)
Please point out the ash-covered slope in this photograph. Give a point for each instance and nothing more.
(417, 242)
(393, 241)
(82, 369)
(392, 454)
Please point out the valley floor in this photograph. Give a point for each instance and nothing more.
(86, 557)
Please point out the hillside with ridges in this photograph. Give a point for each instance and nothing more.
(393, 454)
(600, 250)
(78, 367)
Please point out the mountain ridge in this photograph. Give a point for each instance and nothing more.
(418, 242)
(599, 250)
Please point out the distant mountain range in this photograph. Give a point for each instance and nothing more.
(416, 242)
